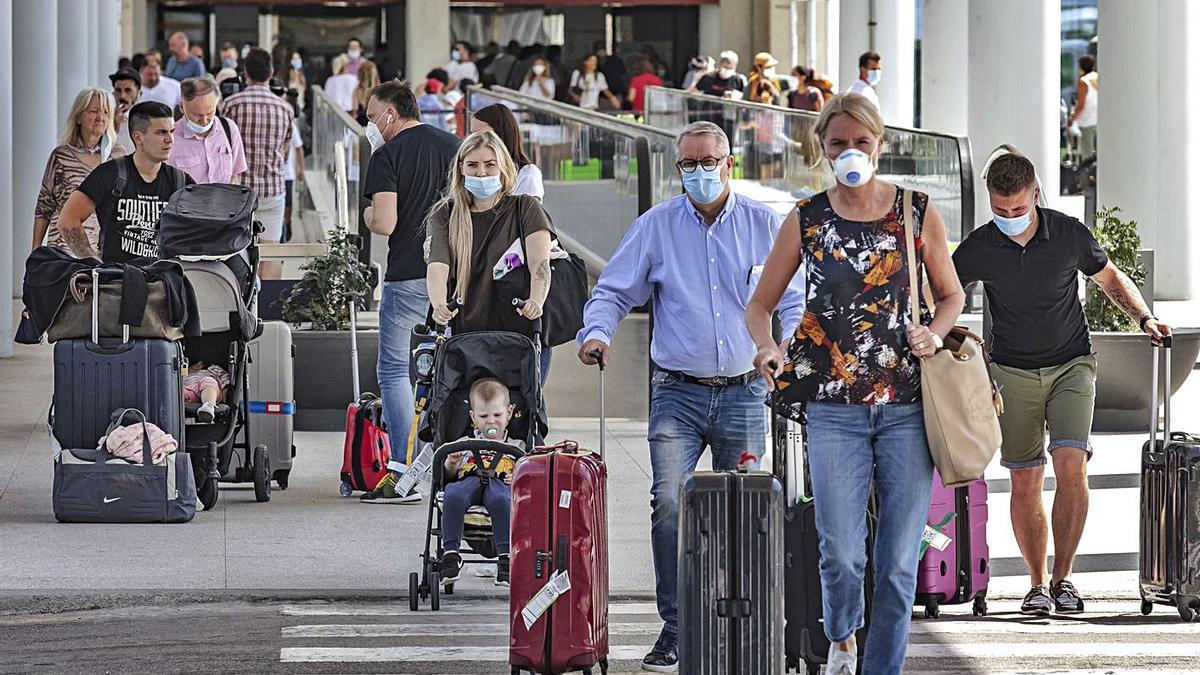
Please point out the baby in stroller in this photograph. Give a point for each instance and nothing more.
(205, 385)
(491, 411)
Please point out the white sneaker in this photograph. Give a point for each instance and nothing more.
(207, 413)
(840, 662)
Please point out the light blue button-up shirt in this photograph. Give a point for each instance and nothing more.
(700, 277)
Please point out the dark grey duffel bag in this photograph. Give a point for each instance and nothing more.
(93, 486)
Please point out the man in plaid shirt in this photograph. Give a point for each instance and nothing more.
(265, 121)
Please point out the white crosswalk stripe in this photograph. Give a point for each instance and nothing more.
(469, 637)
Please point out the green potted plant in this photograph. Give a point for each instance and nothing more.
(1123, 352)
(319, 305)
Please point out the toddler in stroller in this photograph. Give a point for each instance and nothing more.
(205, 385)
(480, 479)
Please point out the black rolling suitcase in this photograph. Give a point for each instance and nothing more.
(805, 644)
(730, 572)
(93, 378)
(1169, 560)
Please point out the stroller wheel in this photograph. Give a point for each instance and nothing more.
(207, 493)
(435, 596)
(281, 478)
(414, 592)
(262, 474)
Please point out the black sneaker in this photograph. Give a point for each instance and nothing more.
(1066, 598)
(502, 571)
(1037, 601)
(664, 658)
(451, 568)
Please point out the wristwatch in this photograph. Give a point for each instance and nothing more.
(937, 341)
(1145, 319)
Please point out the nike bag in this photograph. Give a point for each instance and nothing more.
(94, 486)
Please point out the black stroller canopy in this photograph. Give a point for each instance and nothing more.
(463, 359)
(212, 221)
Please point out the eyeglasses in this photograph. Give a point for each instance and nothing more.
(708, 164)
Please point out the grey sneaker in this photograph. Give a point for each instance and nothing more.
(1066, 598)
(1037, 602)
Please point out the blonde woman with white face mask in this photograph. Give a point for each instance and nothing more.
(852, 372)
(539, 81)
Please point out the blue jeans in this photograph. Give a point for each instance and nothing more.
(403, 305)
(684, 419)
(470, 491)
(848, 445)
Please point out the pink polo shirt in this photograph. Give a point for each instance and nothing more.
(214, 158)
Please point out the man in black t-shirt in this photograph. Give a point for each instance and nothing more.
(127, 194)
(405, 177)
(725, 81)
(1029, 259)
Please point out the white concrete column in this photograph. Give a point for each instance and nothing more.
(853, 38)
(710, 30)
(428, 27)
(108, 39)
(1013, 64)
(35, 31)
(829, 54)
(6, 185)
(944, 54)
(1147, 151)
(895, 40)
(75, 65)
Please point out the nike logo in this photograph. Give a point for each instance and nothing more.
(109, 501)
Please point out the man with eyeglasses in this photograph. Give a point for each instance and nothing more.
(699, 256)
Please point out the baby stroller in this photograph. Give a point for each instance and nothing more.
(458, 362)
(210, 230)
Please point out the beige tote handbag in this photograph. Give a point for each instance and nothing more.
(962, 405)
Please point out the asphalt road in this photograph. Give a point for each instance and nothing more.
(469, 636)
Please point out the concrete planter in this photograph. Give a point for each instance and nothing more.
(1124, 372)
(324, 386)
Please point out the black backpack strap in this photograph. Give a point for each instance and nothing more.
(122, 175)
(181, 178)
(225, 126)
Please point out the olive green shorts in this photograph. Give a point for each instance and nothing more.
(1060, 399)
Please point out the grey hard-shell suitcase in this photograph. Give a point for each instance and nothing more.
(731, 574)
(95, 377)
(1169, 550)
(271, 397)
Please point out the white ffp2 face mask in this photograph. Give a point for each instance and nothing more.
(853, 168)
(874, 76)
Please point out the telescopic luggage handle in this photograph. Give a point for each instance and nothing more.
(97, 272)
(1165, 349)
(598, 355)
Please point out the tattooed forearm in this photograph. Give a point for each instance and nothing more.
(77, 240)
(540, 287)
(1126, 296)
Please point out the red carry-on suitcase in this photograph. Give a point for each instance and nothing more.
(955, 568)
(558, 601)
(1169, 547)
(366, 452)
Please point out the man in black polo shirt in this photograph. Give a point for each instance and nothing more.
(1028, 259)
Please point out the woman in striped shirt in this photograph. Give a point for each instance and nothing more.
(87, 140)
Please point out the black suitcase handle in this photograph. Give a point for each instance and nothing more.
(1165, 350)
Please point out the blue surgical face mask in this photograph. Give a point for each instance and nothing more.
(200, 129)
(229, 62)
(482, 187)
(1013, 226)
(703, 186)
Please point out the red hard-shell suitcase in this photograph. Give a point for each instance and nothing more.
(558, 600)
(367, 450)
(956, 567)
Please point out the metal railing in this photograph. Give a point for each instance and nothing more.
(778, 158)
(600, 172)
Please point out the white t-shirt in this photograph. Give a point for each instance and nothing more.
(861, 87)
(1090, 116)
(166, 92)
(534, 89)
(289, 166)
(591, 85)
(459, 70)
(529, 182)
(341, 89)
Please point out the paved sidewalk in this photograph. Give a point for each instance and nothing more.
(308, 539)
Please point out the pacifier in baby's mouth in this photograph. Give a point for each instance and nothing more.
(491, 433)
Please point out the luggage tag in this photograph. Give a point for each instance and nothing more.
(558, 584)
(932, 537)
(512, 259)
(419, 470)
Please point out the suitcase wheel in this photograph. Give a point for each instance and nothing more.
(932, 611)
(281, 478)
(1147, 607)
(207, 494)
(449, 589)
(414, 592)
(980, 608)
(1186, 613)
